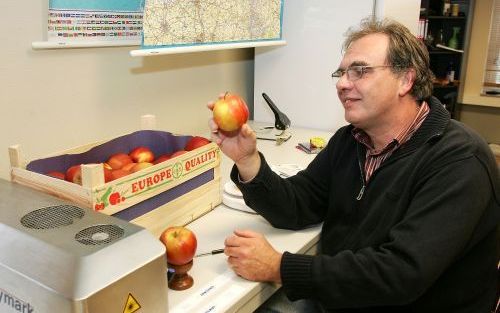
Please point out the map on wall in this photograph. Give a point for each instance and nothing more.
(95, 21)
(172, 23)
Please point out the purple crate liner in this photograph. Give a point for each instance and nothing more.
(159, 142)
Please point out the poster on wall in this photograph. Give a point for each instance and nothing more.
(94, 23)
(181, 23)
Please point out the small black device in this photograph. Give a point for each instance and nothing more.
(281, 121)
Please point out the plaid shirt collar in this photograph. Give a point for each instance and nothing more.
(404, 135)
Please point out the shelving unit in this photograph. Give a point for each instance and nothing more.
(439, 30)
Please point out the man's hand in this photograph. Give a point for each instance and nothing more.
(240, 146)
(252, 257)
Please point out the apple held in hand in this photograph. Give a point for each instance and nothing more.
(196, 142)
(181, 244)
(230, 112)
(142, 154)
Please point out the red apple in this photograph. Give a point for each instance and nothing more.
(107, 173)
(142, 154)
(230, 112)
(181, 244)
(128, 167)
(196, 142)
(74, 174)
(115, 174)
(56, 174)
(162, 158)
(118, 160)
(177, 153)
(140, 166)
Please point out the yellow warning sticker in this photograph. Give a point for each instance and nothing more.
(131, 305)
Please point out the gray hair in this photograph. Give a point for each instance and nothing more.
(405, 52)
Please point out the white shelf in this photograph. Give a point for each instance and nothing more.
(199, 48)
(40, 45)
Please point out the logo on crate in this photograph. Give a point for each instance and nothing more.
(155, 180)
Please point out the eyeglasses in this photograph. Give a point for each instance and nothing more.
(355, 72)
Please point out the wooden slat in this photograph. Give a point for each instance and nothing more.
(15, 156)
(182, 210)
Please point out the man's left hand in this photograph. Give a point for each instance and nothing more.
(252, 257)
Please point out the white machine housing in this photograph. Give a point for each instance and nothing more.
(57, 257)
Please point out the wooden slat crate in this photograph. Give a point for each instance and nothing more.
(173, 192)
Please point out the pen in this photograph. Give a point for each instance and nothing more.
(217, 251)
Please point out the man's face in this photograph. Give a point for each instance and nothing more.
(370, 100)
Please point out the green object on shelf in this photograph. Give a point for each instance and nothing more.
(453, 42)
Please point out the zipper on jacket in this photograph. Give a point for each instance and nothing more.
(363, 184)
(361, 192)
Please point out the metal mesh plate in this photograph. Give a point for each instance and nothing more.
(99, 234)
(52, 217)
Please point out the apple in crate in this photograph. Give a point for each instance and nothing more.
(56, 174)
(128, 167)
(162, 158)
(107, 173)
(177, 153)
(119, 160)
(119, 173)
(139, 166)
(74, 174)
(181, 244)
(230, 112)
(196, 142)
(142, 154)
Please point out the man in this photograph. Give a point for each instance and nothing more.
(409, 199)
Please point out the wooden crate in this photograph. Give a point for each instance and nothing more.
(174, 192)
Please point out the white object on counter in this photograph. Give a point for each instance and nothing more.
(233, 198)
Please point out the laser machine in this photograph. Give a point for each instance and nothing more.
(57, 257)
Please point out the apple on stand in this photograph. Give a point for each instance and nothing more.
(180, 243)
(230, 112)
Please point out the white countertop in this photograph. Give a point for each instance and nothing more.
(216, 288)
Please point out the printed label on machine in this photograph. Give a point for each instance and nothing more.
(131, 305)
(14, 303)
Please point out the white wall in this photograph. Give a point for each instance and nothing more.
(298, 76)
(406, 12)
(53, 100)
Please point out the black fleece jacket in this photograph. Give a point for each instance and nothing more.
(420, 236)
